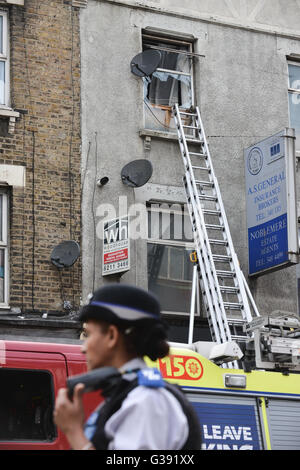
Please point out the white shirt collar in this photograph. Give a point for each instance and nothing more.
(136, 363)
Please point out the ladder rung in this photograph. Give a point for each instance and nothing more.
(209, 184)
(232, 306)
(236, 321)
(190, 127)
(214, 227)
(230, 289)
(204, 197)
(187, 114)
(198, 154)
(218, 242)
(222, 258)
(211, 212)
(201, 168)
(193, 140)
(225, 274)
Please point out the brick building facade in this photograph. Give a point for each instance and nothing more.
(40, 155)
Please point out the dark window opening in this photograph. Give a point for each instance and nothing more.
(167, 87)
(170, 84)
(26, 405)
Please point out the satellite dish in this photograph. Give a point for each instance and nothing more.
(137, 173)
(145, 63)
(65, 254)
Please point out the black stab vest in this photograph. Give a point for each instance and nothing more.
(115, 399)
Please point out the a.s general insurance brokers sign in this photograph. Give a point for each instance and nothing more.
(271, 203)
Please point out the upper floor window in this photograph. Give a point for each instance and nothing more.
(4, 59)
(169, 245)
(4, 271)
(171, 83)
(294, 99)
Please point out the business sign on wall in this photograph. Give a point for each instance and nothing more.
(271, 203)
(115, 246)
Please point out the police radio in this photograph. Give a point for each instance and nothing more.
(97, 379)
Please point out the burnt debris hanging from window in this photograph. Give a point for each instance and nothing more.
(166, 87)
(170, 83)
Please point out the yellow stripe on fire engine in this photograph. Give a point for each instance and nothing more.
(190, 369)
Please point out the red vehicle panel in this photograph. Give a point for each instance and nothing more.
(31, 375)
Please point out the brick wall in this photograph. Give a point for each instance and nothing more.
(45, 73)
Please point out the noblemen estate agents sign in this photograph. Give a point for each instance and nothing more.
(271, 203)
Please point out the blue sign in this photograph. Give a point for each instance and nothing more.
(268, 244)
(267, 204)
(228, 426)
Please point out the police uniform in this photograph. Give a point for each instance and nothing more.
(150, 417)
(141, 411)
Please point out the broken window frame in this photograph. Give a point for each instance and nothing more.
(165, 117)
(155, 238)
(292, 92)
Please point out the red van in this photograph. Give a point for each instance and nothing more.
(31, 374)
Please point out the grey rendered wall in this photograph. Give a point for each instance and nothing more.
(241, 88)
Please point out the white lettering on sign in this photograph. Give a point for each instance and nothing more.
(277, 226)
(227, 432)
(267, 183)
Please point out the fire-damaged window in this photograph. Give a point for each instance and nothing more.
(169, 246)
(171, 83)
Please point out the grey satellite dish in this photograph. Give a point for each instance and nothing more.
(137, 173)
(145, 63)
(65, 254)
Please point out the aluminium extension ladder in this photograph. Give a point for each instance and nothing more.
(224, 289)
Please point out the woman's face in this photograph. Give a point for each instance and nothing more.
(97, 345)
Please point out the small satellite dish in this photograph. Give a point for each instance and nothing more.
(65, 254)
(145, 63)
(137, 173)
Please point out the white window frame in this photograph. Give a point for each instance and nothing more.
(5, 57)
(168, 41)
(295, 91)
(153, 206)
(4, 244)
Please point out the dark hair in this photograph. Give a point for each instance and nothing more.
(146, 338)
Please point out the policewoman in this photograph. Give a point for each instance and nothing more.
(141, 411)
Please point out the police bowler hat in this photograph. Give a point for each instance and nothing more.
(121, 303)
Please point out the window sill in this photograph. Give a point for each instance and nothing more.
(14, 2)
(149, 134)
(5, 307)
(11, 115)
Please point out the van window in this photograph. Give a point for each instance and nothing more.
(26, 405)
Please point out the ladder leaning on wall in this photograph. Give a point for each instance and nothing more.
(225, 293)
